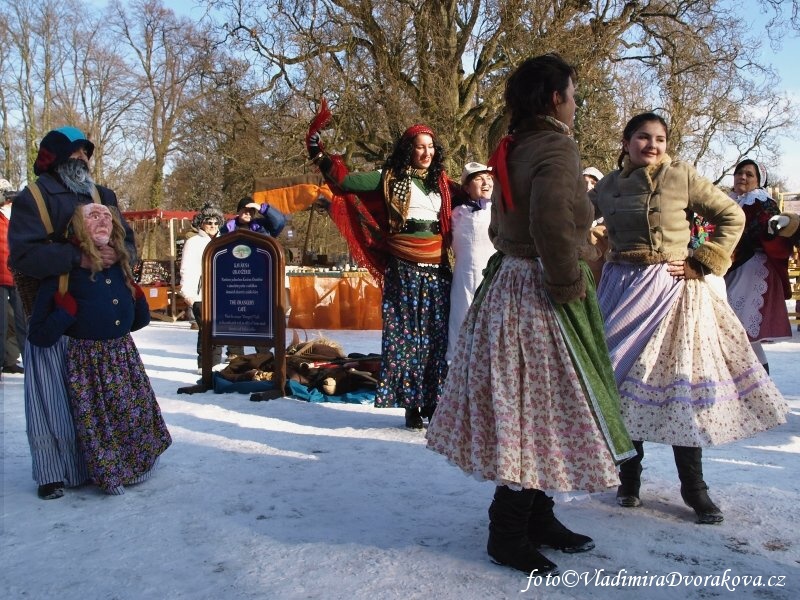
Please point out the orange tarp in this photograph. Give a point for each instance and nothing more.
(291, 194)
(349, 301)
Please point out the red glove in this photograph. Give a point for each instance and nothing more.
(137, 292)
(66, 302)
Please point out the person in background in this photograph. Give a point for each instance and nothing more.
(592, 175)
(598, 235)
(471, 244)
(260, 218)
(13, 328)
(686, 374)
(117, 419)
(758, 280)
(397, 223)
(206, 224)
(64, 179)
(529, 402)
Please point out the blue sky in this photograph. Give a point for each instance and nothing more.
(785, 62)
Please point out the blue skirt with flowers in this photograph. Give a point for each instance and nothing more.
(416, 307)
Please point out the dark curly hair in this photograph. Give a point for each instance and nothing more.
(400, 160)
(529, 89)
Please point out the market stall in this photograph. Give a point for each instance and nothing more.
(334, 300)
(159, 236)
(321, 296)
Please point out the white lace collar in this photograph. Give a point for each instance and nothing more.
(751, 197)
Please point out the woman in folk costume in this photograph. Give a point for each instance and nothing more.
(117, 419)
(686, 374)
(397, 224)
(758, 280)
(529, 402)
(472, 247)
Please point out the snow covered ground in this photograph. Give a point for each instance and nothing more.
(290, 500)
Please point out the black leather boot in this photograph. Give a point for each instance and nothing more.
(630, 478)
(544, 529)
(508, 533)
(413, 418)
(51, 491)
(694, 490)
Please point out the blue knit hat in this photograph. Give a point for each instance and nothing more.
(57, 146)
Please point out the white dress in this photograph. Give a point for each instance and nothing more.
(472, 249)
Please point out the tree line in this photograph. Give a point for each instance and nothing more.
(188, 109)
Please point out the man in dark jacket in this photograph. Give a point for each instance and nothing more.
(261, 218)
(62, 166)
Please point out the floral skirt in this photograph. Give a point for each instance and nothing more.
(117, 419)
(416, 306)
(696, 380)
(513, 410)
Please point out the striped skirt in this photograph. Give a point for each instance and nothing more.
(55, 453)
(687, 374)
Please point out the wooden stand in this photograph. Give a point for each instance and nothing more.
(243, 305)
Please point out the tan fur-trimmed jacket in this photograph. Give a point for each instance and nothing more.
(552, 215)
(648, 212)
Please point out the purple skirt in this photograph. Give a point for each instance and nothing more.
(117, 419)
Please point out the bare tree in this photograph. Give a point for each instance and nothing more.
(33, 29)
(169, 56)
(384, 64)
(7, 167)
(98, 89)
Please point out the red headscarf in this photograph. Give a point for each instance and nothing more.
(444, 187)
(416, 130)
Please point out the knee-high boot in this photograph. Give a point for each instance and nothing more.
(508, 532)
(694, 490)
(630, 473)
(544, 529)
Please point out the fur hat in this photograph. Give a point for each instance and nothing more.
(7, 190)
(473, 168)
(209, 211)
(760, 170)
(57, 146)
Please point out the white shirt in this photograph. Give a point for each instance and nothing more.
(192, 266)
(472, 249)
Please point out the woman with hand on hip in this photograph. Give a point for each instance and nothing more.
(686, 374)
